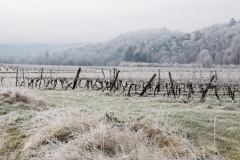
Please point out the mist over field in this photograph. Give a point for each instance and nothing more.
(217, 44)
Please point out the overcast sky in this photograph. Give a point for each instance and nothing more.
(74, 21)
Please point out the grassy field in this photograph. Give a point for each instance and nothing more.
(36, 129)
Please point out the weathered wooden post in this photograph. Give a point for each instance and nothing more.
(191, 91)
(171, 83)
(204, 91)
(115, 80)
(231, 93)
(216, 74)
(216, 93)
(41, 77)
(23, 74)
(148, 84)
(76, 78)
(51, 74)
(159, 80)
(17, 78)
(103, 73)
(114, 72)
(23, 78)
(129, 90)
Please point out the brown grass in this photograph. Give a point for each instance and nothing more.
(81, 136)
(19, 97)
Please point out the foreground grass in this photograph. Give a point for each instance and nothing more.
(195, 120)
(212, 128)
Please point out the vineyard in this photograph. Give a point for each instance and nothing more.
(219, 83)
(110, 113)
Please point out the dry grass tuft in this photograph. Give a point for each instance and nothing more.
(80, 136)
(22, 99)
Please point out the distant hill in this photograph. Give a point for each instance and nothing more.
(217, 44)
(26, 53)
(26, 49)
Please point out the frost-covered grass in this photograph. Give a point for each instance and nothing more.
(20, 98)
(65, 133)
(71, 133)
(75, 125)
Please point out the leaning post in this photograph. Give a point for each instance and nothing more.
(76, 78)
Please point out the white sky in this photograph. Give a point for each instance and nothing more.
(74, 21)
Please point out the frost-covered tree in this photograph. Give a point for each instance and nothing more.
(232, 54)
(232, 22)
(204, 58)
(217, 44)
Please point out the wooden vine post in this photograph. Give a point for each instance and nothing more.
(148, 85)
(172, 85)
(23, 74)
(159, 80)
(76, 78)
(204, 91)
(51, 74)
(129, 90)
(41, 77)
(231, 93)
(116, 73)
(103, 73)
(17, 78)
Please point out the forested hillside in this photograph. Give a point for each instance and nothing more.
(217, 44)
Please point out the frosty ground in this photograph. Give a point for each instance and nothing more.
(81, 124)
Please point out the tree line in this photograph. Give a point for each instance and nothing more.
(217, 44)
